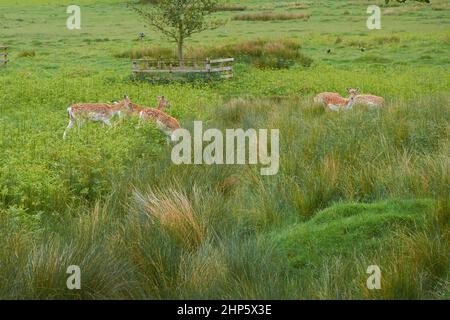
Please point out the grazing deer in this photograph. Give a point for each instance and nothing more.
(165, 123)
(103, 112)
(335, 103)
(323, 97)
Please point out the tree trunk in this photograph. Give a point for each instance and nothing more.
(180, 52)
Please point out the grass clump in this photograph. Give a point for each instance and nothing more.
(267, 16)
(27, 54)
(231, 7)
(347, 229)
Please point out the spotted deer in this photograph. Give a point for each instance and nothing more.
(165, 122)
(335, 103)
(78, 113)
(323, 97)
(163, 103)
(369, 100)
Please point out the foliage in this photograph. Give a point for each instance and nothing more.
(178, 20)
(357, 188)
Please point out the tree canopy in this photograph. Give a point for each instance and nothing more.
(178, 20)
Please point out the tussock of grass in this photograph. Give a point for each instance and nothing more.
(172, 210)
(348, 229)
(232, 7)
(27, 54)
(267, 16)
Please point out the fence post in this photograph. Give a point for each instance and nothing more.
(208, 65)
(4, 54)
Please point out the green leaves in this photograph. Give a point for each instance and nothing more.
(178, 20)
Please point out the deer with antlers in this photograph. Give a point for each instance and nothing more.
(103, 112)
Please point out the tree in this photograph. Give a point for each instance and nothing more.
(178, 20)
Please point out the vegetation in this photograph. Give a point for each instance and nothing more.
(261, 53)
(270, 16)
(179, 20)
(358, 188)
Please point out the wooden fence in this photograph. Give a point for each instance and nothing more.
(222, 67)
(3, 56)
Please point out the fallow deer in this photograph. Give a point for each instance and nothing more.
(323, 97)
(163, 103)
(335, 103)
(103, 112)
(165, 122)
(369, 100)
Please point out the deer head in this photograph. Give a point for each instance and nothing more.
(127, 105)
(163, 103)
(352, 98)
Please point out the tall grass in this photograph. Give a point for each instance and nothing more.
(169, 231)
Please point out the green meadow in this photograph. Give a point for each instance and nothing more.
(354, 189)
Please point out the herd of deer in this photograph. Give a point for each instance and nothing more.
(103, 112)
(335, 102)
(78, 113)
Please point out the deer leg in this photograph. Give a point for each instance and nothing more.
(69, 126)
(79, 124)
(140, 122)
(108, 123)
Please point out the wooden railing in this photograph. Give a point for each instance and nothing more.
(3, 56)
(222, 67)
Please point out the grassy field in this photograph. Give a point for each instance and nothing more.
(360, 188)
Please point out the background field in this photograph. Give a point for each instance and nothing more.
(354, 189)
